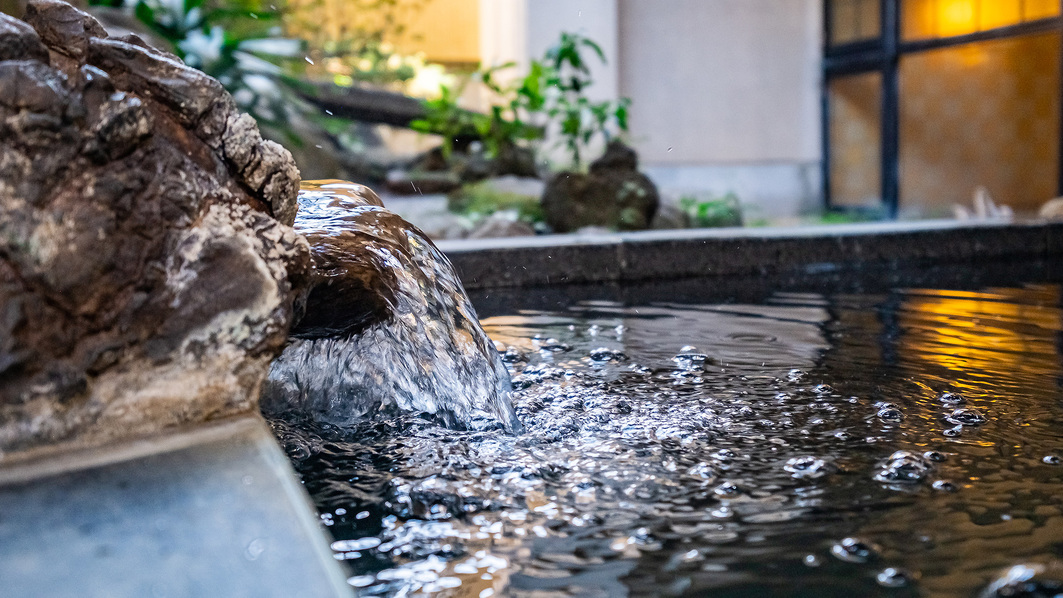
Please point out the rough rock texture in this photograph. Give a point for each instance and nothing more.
(145, 280)
(614, 194)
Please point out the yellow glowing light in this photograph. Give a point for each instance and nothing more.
(956, 17)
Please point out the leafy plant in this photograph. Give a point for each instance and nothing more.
(480, 199)
(501, 125)
(581, 120)
(550, 96)
(715, 212)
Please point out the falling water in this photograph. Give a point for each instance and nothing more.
(387, 326)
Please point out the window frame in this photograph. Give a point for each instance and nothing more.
(883, 55)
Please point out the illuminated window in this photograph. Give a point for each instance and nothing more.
(855, 138)
(854, 21)
(951, 96)
(935, 19)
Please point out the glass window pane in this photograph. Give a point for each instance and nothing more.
(918, 19)
(870, 17)
(984, 114)
(928, 19)
(856, 140)
(999, 13)
(854, 20)
(1040, 9)
(956, 17)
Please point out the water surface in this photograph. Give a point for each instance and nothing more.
(897, 442)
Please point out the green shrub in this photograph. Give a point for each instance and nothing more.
(715, 212)
(481, 199)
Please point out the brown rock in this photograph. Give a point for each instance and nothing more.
(145, 280)
(614, 194)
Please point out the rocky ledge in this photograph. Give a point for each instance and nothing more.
(148, 273)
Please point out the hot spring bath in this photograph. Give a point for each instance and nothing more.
(892, 438)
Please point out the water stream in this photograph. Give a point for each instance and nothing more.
(388, 327)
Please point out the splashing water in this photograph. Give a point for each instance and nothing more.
(388, 327)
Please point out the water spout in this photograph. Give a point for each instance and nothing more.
(387, 325)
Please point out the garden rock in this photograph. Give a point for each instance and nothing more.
(670, 216)
(148, 273)
(502, 224)
(614, 194)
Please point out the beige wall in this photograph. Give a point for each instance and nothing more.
(722, 81)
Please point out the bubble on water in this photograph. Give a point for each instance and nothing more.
(892, 577)
(607, 355)
(1028, 580)
(513, 355)
(953, 432)
(689, 358)
(966, 417)
(1051, 460)
(904, 467)
(952, 398)
(889, 412)
(855, 550)
(823, 389)
(727, 489)
(944, 486)
(594, 329)
(361, 581)
(809, 467)
(703, 471)
(796, 375)
(552, 345)
(812, 560)
(936, 456)
(357, 544)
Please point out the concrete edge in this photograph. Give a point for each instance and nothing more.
(648, 255)
(62, 458)
(280, 487)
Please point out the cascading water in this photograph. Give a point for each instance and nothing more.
(387, 327)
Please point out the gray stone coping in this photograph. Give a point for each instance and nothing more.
(212, 511)
(649, 255)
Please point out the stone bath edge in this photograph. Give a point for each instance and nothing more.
(647, 255)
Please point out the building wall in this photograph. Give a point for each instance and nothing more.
(725, 97)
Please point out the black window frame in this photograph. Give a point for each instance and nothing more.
(883, 56)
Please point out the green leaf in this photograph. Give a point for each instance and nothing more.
(145, 14)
